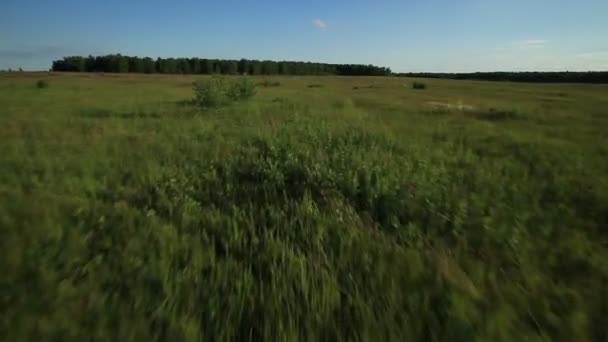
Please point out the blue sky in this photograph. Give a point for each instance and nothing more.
(415, 35)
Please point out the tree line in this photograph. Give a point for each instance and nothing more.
(541, 77)
(127, 64)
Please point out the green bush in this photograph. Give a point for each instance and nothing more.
(419, 86)
(243, 89)
(494, 114)
(219, 91)
(41, 84)
(210, 93)
(268, 83)
(315, 86)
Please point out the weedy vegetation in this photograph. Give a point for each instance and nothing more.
(42, 84)
(418, 86)
(127, 213)
(268, 83)
(220, 91)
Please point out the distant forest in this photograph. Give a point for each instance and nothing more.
(541, 77)
(127, 64)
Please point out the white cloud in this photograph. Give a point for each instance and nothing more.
(530, 43)
(320, 24)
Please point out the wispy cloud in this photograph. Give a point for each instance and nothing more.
(320, 24)
(530, 43)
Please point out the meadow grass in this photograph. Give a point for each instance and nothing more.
(358, 209)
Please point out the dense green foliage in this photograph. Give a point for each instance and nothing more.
(418, 85)
(220, 91)
(268, 83)
(123, 64)
(543, 77)
(470, 211)
(41, 84)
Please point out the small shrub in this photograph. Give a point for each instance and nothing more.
(493, 114)
(243, 89)
(210, 93)
(355, 88)
(42, 84)
(419, 86)
(268, 83)
(315, 86)
(220, 91)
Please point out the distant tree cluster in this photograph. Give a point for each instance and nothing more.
(542, 77)
(123, 64)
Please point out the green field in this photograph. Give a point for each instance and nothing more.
(325, 208)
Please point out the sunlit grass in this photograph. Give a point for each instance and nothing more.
(304, 213)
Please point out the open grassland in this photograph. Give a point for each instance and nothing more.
(325, 208)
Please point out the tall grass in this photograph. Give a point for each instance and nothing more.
(298, 219)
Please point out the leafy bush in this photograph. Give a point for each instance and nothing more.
(371, 86)
(42, 84)
(210, 93)
(243, 89)
(268, 83)
(219, 91)
(315, 86)
(419, 86)
(494, 114)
